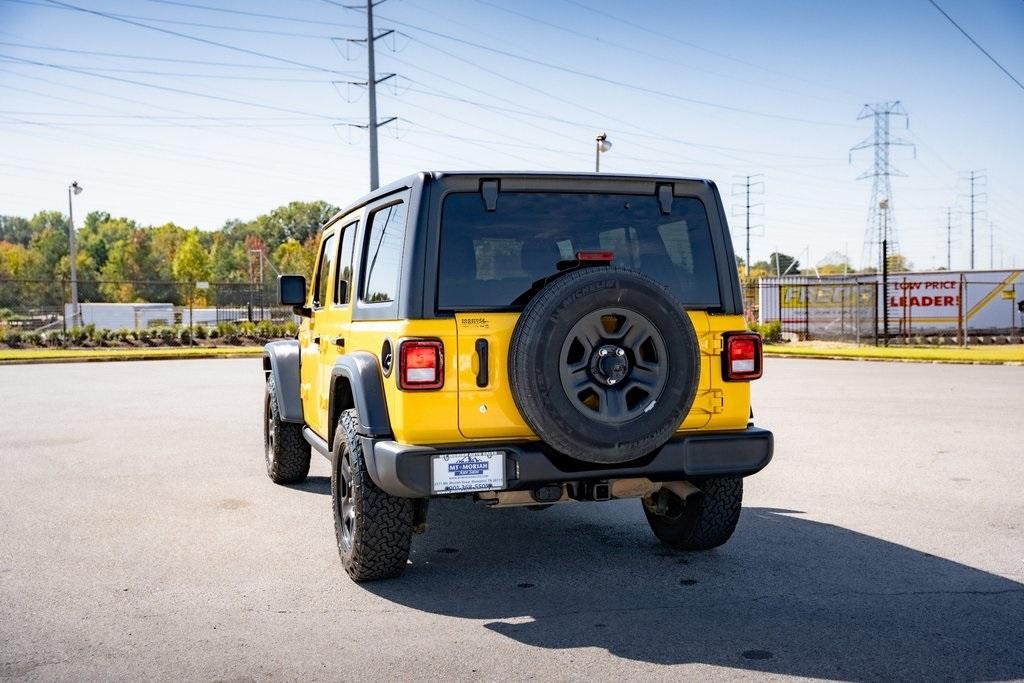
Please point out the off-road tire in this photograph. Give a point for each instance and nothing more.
(704, 520)
(378, 545)
(285, 450)
(537, 359)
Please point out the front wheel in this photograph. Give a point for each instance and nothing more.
(702, 521)
(284, 448)
(374, 529)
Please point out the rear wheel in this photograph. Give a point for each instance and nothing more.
(284, 449)
(373, 528)
(704, 520)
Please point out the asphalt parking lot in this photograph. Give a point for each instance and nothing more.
(141, 539)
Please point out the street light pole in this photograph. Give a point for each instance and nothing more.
(73, 189)
(602, 145)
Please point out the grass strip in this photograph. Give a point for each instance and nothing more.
(13, 356)
(974, 354)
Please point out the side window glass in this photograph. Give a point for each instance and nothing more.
(383, 262)
(323, 270)
(343, 277)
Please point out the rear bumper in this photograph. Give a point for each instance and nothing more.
(404, 470)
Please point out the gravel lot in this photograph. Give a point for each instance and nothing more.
(141, 539)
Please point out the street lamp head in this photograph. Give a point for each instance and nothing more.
(603, 144)
(76, 188)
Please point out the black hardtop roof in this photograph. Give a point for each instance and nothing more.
(412, 179)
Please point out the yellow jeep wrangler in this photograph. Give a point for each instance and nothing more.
(524, 340)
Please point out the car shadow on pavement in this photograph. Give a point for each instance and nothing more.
(787, 595)
(313, 484)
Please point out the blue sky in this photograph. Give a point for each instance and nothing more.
(204, 133)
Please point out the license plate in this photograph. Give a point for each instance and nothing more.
(466, 472)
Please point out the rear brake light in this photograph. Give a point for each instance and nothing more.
(741, 359)
(420, 365)
(606, 256)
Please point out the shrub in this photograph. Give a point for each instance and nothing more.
(247, 328)
(77, 336)
(13, 339)
(35, 339)
(200, 332)
(771, 332)
(167, 335)
(224, 329)
(185, 336)
(145, 336)
(291, 329)
(266, 329)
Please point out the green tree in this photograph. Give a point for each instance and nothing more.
(295, 258)
(192, 262)
(15, 229)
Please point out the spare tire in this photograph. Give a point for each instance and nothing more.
(604, 364)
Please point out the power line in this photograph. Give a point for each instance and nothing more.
(186, 74)
(179, 22)
(597, 77)
(176, 60)
(187, 36)
(722, 55)
(653, 55)
(977, 45)
(167, 88)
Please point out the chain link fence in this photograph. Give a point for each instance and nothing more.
(46, 305)
(910, 308)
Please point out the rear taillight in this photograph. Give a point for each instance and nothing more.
(420, 364)
(741, 359)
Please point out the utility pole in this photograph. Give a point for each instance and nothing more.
(883, 171)
(884, 207)
(949, 240)
(991, 246)
(371, 87)
(372, 123)
(749, 185)
(73, 189)
(976, 179)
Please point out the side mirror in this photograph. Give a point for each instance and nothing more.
(291, 291)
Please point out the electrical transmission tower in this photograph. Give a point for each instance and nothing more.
(881, 228)
(976, 179)
(371, 84)
(749, 185)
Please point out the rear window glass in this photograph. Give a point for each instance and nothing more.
(383, 262)
(491, 258)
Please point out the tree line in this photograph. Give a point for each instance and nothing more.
(120, 260)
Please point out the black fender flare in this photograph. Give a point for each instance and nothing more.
(281, 360)
(356, 383)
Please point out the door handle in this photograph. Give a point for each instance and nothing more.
(482, 353)
(339, 341)
(316, 340)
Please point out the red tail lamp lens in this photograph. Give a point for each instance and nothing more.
(743, 357)
(421, 365)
